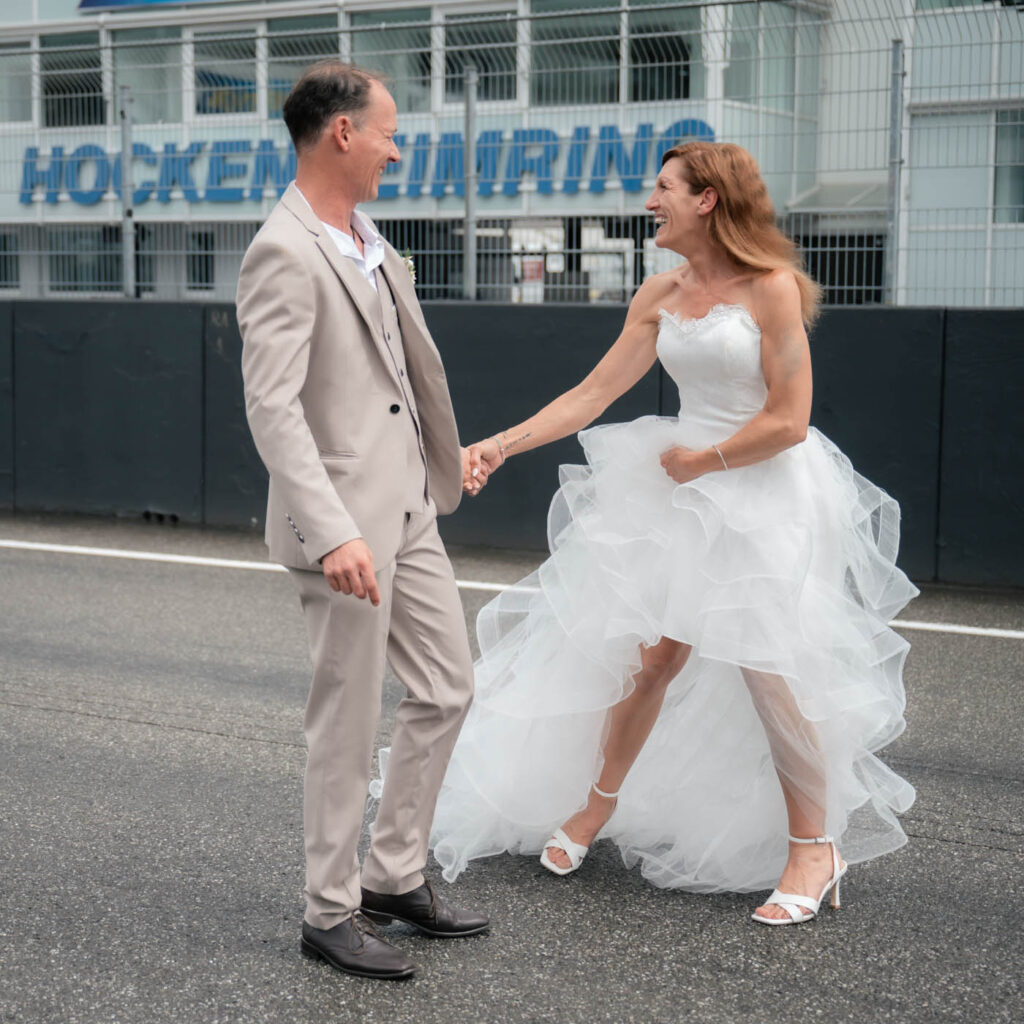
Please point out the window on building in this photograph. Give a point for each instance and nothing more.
(740, 79)
(15, 82)
(84, 258)
(575, 59)
(148, 61)
(293, 44)
(145, 258)
(489, 42)
(398, 44)
(761, 54)
(10, 276)
(225, 72)
(778, 55)
(72, 82)
(1009, 168)
(199, 261)
(932, 5)
(664, 54)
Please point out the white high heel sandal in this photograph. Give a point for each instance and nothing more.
(574, 851)
(804, 908)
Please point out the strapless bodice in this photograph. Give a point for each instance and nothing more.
(715, 361)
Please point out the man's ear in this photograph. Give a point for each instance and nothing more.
(341, 129)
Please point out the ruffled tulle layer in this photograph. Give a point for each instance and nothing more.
(782, 577)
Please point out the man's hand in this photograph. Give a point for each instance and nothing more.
(684, 464)
(474, 472)
(349, 569)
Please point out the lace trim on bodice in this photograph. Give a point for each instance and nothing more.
(716, 314)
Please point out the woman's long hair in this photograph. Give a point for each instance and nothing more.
(743, 219)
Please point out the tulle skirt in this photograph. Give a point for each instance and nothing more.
(781, 576)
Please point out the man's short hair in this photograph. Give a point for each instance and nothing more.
(327, 89)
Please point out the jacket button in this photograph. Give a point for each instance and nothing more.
(396, 408)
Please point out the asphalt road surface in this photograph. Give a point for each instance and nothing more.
(150, 827)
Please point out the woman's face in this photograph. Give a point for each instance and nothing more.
(678, 212)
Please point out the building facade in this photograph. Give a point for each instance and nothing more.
(890, 133)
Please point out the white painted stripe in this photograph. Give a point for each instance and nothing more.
(494, 588)
(949, 627)
(142, 556)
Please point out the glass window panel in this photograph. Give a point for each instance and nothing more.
(199, 261)
(808, 67)
(574, 59)
(1009, 169)
(486, 41)
(933, 5)
(84, 259)
(225, 72)
(778, 65)
(15, 82)
(9, 268)
(741, 53)
(72, 83)
(396, 43)
(294, 44)
(148, 61)
(665, 55)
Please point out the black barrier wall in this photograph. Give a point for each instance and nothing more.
(981, 498)
(129, 408)
(6, 405)
(108, 408)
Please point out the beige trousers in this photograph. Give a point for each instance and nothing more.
(419, 628)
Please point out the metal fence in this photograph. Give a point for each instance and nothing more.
(890, 133)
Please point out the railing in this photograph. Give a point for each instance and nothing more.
(891, 138)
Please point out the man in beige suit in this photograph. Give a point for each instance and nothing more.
(348, 405)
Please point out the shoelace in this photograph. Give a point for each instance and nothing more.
(361, 927)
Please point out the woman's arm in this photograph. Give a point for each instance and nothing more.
(632, 355)
(786, 362)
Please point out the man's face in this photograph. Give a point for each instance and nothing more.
(372, 145)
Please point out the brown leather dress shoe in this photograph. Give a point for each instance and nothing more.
(355, 948)
(425, 911)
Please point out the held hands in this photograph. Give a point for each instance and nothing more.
(349, 569)
(479, 461)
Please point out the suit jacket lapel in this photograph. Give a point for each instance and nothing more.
(409, 314)
(362, 293)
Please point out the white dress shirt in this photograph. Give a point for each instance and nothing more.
(372, 255)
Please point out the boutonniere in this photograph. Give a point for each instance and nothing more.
(409, 265)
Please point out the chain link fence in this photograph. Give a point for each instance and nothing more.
(890, 133)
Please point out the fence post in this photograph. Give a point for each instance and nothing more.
(469, 231)
(895, 165)
(127, 194)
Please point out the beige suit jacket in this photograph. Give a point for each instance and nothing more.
(320, 388)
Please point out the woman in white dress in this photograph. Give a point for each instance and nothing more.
(703, 666)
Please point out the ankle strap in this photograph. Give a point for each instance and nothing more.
(816, 839)
(601, 792)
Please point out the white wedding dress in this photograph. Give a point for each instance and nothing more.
(782, 577)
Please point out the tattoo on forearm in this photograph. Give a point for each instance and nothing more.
(509, 446)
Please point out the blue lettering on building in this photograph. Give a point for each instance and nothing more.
(237, 169)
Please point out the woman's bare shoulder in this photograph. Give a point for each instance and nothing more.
(655, 291)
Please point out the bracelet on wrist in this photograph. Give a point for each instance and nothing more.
(725, 465)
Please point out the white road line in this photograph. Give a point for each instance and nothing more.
(494, 588)
(949, 627)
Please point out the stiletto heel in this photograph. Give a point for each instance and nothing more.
(574, 851)
(804, 908)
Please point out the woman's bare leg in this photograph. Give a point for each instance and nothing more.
(630, 723)
(800, 766)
